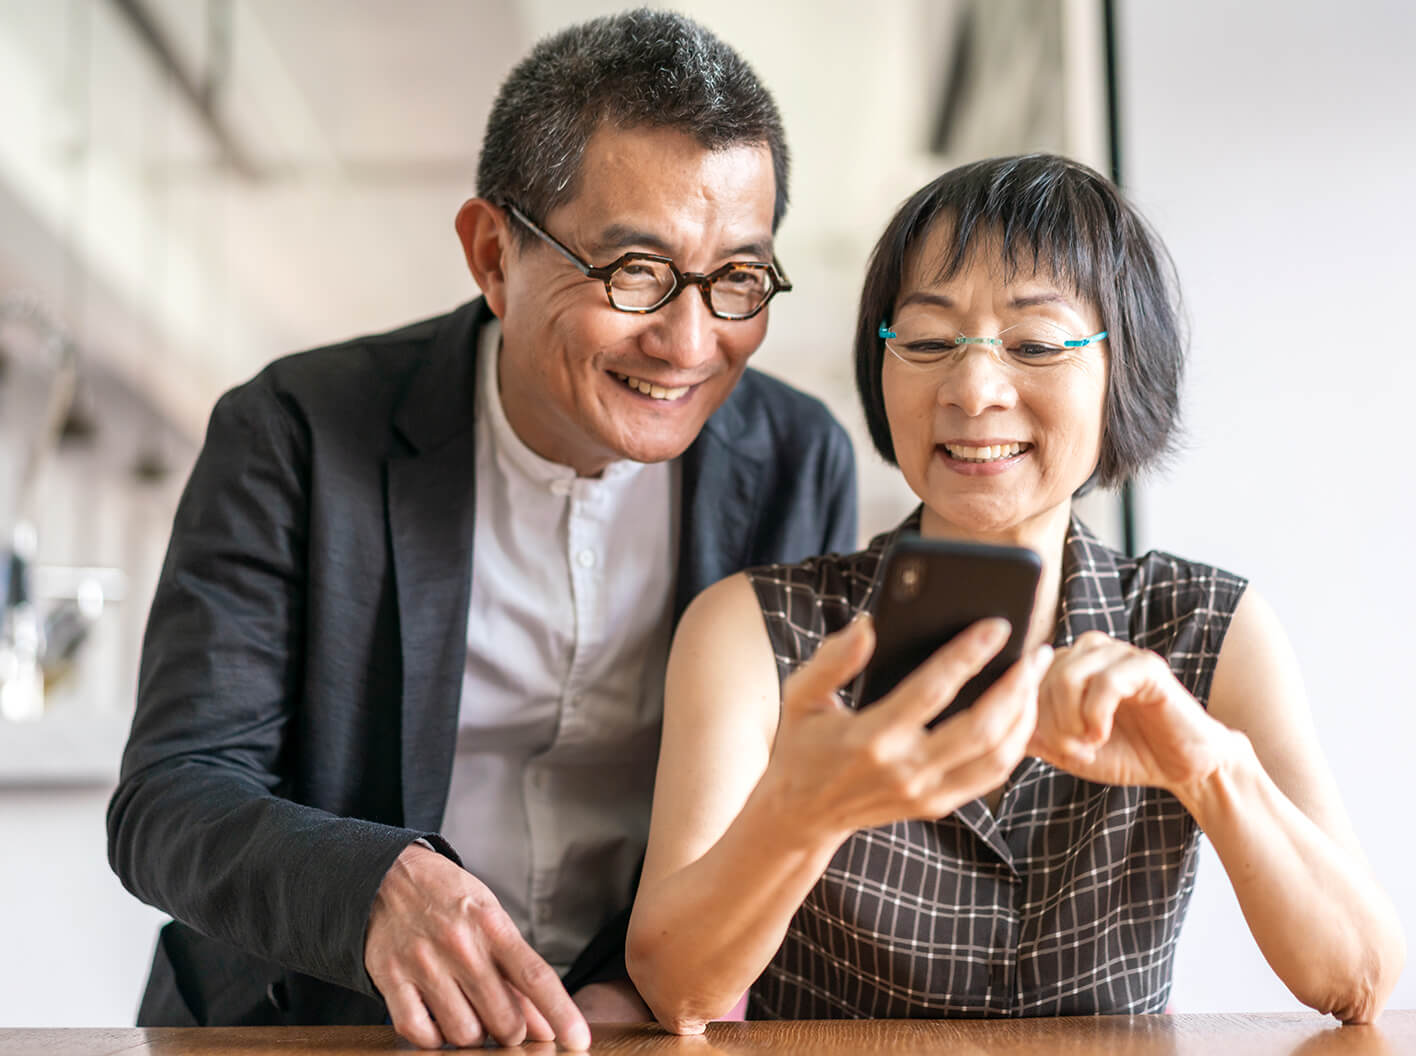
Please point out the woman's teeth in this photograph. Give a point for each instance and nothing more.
(983, 454)
(650, 389)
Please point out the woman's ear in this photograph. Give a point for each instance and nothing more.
(485, 233)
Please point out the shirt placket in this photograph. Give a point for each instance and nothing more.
(584, 555)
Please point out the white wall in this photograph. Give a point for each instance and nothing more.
(1271, 142)
(76, 946)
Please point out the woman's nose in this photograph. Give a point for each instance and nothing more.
(977, 382)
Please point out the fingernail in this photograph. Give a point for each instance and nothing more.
(996, 630)
(1042, 658)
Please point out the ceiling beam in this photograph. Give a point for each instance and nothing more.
(201, 101)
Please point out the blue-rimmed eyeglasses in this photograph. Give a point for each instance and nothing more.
(925, 344)
(645, 282)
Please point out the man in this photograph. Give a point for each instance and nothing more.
(398, 711)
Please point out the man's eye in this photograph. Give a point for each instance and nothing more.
(744, 278)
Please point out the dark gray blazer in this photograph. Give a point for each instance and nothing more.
(302, 668)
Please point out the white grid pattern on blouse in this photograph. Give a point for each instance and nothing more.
(1070, 900)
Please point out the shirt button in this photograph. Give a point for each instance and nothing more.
(560, 487)
(585, 559)
(543, 912)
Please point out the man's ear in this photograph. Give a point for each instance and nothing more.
(484, 230)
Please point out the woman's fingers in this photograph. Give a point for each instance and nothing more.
(929, 689)
(974, 751)
(841, 657)
(1062, 718)
(1006, 735)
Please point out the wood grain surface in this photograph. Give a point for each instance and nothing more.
(1178, 1035)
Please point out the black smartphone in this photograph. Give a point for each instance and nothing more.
(930, 590)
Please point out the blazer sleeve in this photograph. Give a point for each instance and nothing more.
(201, 824)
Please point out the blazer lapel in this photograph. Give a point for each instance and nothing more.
(431, 510)
(721, 484)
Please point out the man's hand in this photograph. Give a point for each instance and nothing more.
(452, 967)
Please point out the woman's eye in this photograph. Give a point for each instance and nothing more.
(1036, 350)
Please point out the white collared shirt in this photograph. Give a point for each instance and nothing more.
(562, 696)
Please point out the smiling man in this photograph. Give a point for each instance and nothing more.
(402, 683)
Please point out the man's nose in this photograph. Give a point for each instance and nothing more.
(978, 381)
(685, 333)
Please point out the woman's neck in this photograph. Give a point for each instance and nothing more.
(1045, 535)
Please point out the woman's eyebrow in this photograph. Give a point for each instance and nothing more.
(938, 300)
(1032, 300)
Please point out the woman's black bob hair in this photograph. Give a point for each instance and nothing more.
(1055, 215)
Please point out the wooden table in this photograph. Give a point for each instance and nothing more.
(1178, 1035)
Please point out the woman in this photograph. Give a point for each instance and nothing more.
(1034, 854)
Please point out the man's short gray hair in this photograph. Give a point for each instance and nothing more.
(639, 69)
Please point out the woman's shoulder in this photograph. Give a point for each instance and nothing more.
(832, 586)
(1160, 576)
(1155, 579)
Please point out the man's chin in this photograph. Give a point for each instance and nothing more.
(655, 451)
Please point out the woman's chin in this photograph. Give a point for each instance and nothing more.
(988, 521)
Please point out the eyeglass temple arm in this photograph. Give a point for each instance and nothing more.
(1084, 341)
(551, 239)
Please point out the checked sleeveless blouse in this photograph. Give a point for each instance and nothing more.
(1069, 900)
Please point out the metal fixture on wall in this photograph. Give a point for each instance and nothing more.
(45, 612)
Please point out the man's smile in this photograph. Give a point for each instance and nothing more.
(651, 389)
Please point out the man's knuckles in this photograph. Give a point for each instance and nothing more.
(534, 975)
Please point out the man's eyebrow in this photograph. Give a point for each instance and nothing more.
(622, 236)
(619, 237)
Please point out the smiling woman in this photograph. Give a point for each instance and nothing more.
(1033, 854)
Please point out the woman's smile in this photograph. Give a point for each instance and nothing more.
(982, 458)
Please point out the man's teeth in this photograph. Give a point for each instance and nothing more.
(983, 454)
(650, 389)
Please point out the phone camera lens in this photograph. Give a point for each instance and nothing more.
(911, 579)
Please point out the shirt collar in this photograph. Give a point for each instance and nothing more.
(1092, 595)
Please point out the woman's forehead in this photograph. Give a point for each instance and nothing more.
(1027, 277)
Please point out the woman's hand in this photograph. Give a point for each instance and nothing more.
(833, 770)
(1115, 714)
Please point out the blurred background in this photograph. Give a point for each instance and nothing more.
(189, 188)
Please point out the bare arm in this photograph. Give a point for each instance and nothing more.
(1251, 773)
(1274, 816)
(755, 795)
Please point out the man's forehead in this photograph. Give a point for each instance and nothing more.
(642, 186)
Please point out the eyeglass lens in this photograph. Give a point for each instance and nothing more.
(640, 283)
(923, 344)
